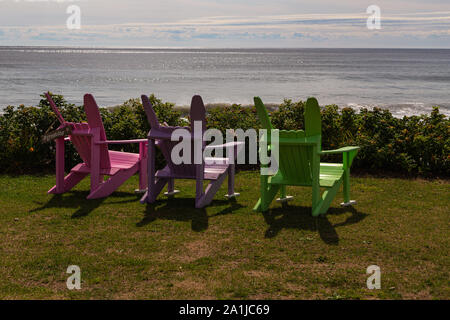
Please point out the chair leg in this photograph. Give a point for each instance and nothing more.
(95, 167)
(156, 190)
(260, 205)
(231, 172)
(347, 161)
(346, 189)
(268, 193)
(106, 188)
(142, 177)
(152, 193)
(64, 184)
(326, 200)
(59, 165)
(155, 185)
(171, 188)
(271, 194)
(142, 168)
(264, 188)
(71, 180)
(199, 175)
(212, 188)
(283, 197)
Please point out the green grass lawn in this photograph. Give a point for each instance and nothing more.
(170, 250)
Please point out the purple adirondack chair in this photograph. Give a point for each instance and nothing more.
(213, 169)
(91, 144)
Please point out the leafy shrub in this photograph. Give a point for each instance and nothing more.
(410, 145)
(289, 115)
(232, 117)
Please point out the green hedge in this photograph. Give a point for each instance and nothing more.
(414, 145)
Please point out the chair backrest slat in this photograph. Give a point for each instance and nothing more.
(296, 151)
(197, 112)
(263, 115)
(295, 159)
(313, 121)
(151, 115)
(166, 145)
(95, 122)
(79, 137)
(82, 143)
(54, 108)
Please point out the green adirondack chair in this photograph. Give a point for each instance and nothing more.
(299, 163)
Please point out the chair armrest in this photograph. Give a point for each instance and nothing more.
(225, 145)
(348, 154)
(121, 141)
(340, 150)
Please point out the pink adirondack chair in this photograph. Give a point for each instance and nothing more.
(91, 144)
(160, 135)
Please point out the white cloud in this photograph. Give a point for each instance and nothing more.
(429, 29)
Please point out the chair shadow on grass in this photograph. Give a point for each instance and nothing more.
(294, 217)
(183, 209)
(77, 200)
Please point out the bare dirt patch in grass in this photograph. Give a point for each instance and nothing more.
(195, 250)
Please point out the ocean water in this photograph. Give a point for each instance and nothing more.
(407, 81)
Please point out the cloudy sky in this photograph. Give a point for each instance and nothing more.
(226, 23)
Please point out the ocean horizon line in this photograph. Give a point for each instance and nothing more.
(220, 48)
